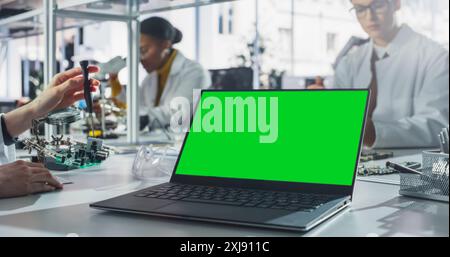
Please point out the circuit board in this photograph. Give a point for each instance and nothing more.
(365, 170)
(375, 156)
(67, 155)
(63, 153)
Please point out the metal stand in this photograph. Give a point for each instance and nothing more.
(103, 100)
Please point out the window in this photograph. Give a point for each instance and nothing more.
(221, 30)
(226, 20)
(331, 42)
(230, 20)
(285, 35)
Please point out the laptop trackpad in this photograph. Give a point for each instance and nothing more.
(214, 211)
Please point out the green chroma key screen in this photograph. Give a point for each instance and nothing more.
(287, 136)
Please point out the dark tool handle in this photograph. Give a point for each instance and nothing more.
(402, 169)
(87, 86)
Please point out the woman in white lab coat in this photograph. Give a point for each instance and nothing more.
(408, 75)
(19, 178)
(170, 73)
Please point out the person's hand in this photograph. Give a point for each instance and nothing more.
(369, 133)
(113, 76)
(315, 87)
(318, 84)
(22, 178)
(65, 89)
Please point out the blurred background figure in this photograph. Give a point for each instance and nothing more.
(408, 75)
(169, 73)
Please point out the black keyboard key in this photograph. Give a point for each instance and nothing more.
(238, 197)
(210, 201)
(159, 190)
(263, 205)
(176, 198)
(292, 208)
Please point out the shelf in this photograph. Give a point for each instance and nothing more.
(32, 24)
(121, 7)
(22, 25)
(79, 13)
(112, 7)
(165, 5)
(20, 5)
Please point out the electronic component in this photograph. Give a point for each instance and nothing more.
(377, 170)
(108, 75)
(65, 154)
(374, 156)
(366, 171)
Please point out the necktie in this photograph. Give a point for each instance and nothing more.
(374, 83)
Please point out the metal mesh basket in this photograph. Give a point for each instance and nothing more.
(433, 183)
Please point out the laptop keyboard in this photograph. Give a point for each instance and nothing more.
(238, 197)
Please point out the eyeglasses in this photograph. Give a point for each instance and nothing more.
(378, 7)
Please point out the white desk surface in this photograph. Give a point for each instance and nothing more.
(377, 210)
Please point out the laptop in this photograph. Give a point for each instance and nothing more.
(282, 159)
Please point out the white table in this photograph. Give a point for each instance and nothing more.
(377, 210)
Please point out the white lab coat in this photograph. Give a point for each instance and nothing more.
(7, 153)
(185, 76)
(413, 89)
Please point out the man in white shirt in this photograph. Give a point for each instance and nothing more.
(407, 73)
(19, 178)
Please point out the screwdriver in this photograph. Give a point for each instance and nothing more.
(87, 94)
